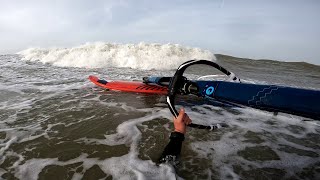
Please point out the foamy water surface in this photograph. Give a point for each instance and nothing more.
(55, 124)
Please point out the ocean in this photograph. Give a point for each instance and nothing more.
(56, 124)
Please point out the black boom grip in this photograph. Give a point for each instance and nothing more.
(178, 81)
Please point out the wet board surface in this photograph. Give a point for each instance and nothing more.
(129, 86)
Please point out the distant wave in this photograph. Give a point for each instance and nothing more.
(99, 55)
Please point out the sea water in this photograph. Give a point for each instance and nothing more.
(56, 124)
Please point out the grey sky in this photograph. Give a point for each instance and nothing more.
(275, 29)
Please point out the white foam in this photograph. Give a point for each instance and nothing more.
(223, 152)
(31, 168)
(128, 166)
(127, 132)
(101, 55)
(124, 167)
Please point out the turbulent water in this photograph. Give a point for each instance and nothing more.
(55, 124)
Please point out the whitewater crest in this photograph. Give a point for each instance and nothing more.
(99, 55)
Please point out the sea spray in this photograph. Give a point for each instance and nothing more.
(100, 55)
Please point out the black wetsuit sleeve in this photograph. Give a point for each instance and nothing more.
(172, 150)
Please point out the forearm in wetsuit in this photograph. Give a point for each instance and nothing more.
(172, 150)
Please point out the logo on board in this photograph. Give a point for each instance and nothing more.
(209, 91)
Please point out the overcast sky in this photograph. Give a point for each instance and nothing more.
(286, 30)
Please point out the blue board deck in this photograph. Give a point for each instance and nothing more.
(274, 98)
(302, 102)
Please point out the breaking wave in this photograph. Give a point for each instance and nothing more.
(99, 55)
